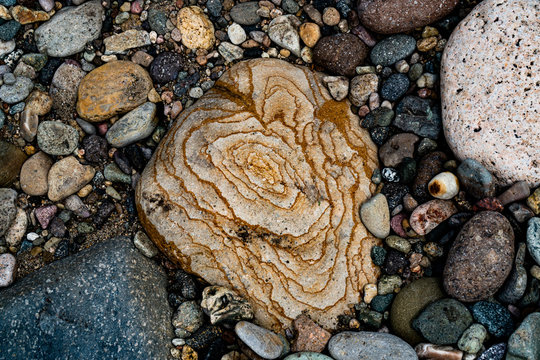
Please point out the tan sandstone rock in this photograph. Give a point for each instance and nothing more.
(257, 187)
(490, 76)
(114, 88)
(196, 29)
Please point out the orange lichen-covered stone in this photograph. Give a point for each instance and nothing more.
(257, 187)
(114, 88)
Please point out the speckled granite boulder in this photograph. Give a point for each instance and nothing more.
(107, 302)
(489, 89)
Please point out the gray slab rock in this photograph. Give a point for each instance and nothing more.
(107, 302)
(68, 32)
(364, 345)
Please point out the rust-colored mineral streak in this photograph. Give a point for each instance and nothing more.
(257, 187)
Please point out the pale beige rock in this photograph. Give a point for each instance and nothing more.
(257, 187)
(129, 39)
(15, 233)
(489, 89)
(196, 29)
(68, 176)
(34, 173)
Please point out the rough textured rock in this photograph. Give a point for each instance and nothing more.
(480, 258)
(8, 209)
(196, 29)
(365, 345)
(107, 302)
(340, 53)
(63, 89)
(395, 16)
(70, 29)
(491, 104)
(524, 344)
(112, 89)
(68, 176)
(245, 190)
(136, 125)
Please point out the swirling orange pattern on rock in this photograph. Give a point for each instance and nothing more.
(257, 187)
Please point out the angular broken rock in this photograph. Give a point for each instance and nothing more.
(257, 187)
(107, 302)
(223, 304)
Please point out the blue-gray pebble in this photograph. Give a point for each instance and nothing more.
(533, 238)
(476, 179)
(524, 344)
(365, 345)
(495, 317)
(496, 352)
(395, 87)
(442, 322)
(308, 356)
(392, 49)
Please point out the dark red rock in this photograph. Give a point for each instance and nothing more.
(480, 258)
(310, 336)
(340, 54)
(489, 203)
(45, 214)
(395, 16)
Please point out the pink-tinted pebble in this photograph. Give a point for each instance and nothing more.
(45, 214)
(395, 224)
(136, 7)
(489, 203)
(102, 128)
(7, 269)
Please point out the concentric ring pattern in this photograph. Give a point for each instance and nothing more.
(257, 187)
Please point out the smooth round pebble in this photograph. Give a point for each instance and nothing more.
(427, 216)
(263, 342)
(392, 49)
(33, 177)
(350, 345)
(444, 186)
(375, 216)
(495, 317)
(136, 125)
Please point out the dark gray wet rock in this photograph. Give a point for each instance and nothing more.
(107, 302)
(419, 116)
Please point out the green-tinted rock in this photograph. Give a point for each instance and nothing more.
(524, 344)
(381, 302)
(398, 243)
(388, 284)
(495, 317)
(11, 161)
(378, 255)
(443, 322)
(113, 173)
(472, 339)
(409, 302)
(35, 60)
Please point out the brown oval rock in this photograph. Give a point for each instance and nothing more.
(429, 166)
(34, 174)
(257, 187)
(480, 258)
(68, 176)
(114, 88)
(11, 160)
(395, 16)
(397, 148)
(340, 53)
(490, 96)
(427, 216)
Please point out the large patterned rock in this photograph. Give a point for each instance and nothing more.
(257, 187)
(489, 89)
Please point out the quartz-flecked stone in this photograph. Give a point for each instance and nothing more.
(489, 89)
(107, 302)
(260, 182)
(114, 88)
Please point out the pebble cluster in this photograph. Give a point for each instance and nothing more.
(88, 89)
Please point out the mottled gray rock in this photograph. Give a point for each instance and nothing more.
(282, 31)
(134, 126)
(516, 284)
(17, 91)
(392, 49)
(56, 138)
(107, 302)
(245, 13)
(8, 210)
(365, 345)
(223, 304)
(70, 29)
(263, 342)
(533, 238)
(524, 344)
(476, 179)
(188, 317)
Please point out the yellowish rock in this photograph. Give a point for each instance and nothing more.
(196, 29)
(114, 88)
(4, 13)
(310, 33)
(68, 176)
(27, 16)
(257, 187)
(533, 201)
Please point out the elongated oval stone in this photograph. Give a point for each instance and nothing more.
(257, 187)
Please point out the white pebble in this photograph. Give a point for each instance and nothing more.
(444, 186)
(237, 34)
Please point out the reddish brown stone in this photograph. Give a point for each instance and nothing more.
(430, 165)
(310, 336)
(395, 16)
(340, 53)
(489, 203)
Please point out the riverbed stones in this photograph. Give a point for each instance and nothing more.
(129, 39)
(63, 89)
(309, 336)
(480, 258)
(7, 270)
(261, 164)
(444, 186)
(263, 342)
(397, 148)
(443, 321)
(427, 216)
(533, 238)
(365, 345)
(114, 88)
(283, 31)
(490, 107)
(362, 86)
(8, 210)
(68, 176)
(395, 16)
(196, 29)
(105, 302)
(225, 305)
(17, 91)
(34, 173)
(392, 49)
(375, 216)
(495, 317)
(11, 161)
(70, 29)
(524, 343)
(340, 53)
(136, 125)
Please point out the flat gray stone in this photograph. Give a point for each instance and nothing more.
(107, 302)
(68, 32)
(134, 126)
(364, 345)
